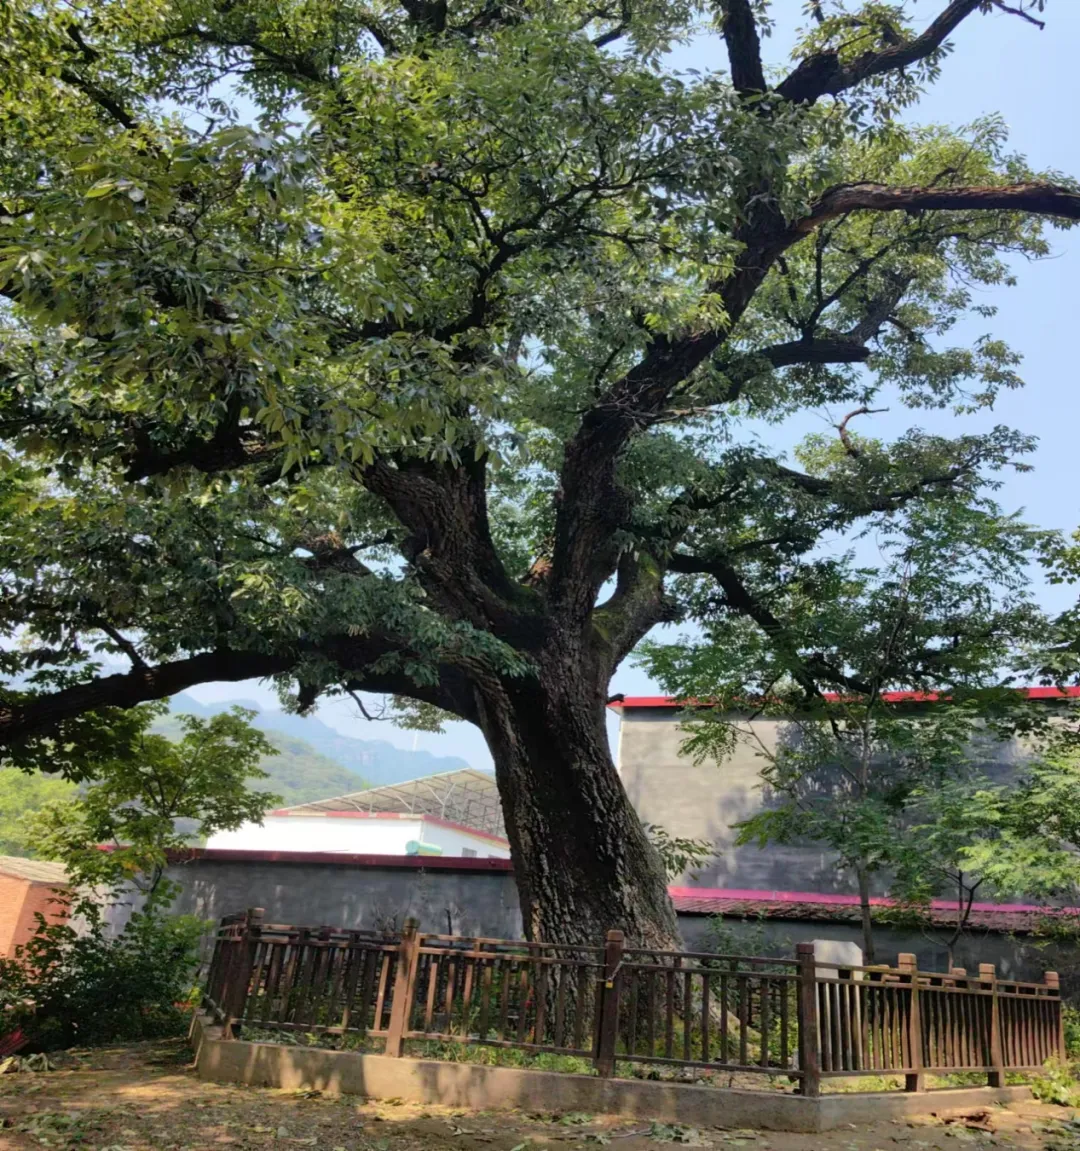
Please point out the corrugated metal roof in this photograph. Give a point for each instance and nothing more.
(467, 797)
(34, 870)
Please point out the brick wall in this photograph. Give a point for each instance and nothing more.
(20, 901)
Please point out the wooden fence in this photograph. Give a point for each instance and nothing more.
(799, 1017)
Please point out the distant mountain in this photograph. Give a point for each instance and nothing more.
(376, 761)
(298, 773)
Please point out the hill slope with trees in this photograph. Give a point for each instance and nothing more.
(377, 761)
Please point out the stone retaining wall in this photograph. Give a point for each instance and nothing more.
(473, 1087)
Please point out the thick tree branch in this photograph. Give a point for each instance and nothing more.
(591, 505)
(444, 509)
(453, 693)
(743, 46)
(1035, 198)
(806, 671)
(886, 501)
(841, 349)
(329, 553)
(442, 506)
(880, 309)
(227, 450)
(105, 100)
(428, 15)
(740, 370)
(825, 75)
(41, 714)
(634, 607)
(109, 101)
(298, 68)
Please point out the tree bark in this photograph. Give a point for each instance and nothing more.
(867, 918)
(582, 861)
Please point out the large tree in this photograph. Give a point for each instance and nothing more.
(409, 347)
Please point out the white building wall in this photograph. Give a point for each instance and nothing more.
(321, 833)
(456, 843)
(390, 835)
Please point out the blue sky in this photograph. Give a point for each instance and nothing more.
(1002, 65)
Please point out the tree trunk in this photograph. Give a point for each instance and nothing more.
(867, 919)
(582, 861)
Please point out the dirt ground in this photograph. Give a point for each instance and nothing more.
(146, 1098)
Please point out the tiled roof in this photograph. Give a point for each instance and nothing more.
(34, 870)
(815, 906)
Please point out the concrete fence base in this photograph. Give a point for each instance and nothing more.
(472, 1087)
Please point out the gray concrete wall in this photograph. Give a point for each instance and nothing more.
(1015, 957)
(352, 896)
(481, 902)
(704, 801)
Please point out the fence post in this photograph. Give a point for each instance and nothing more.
(914, 1080)
(236, 991)
(1053, 985)
(809, 1063)
(213, 975)
(404, 988)
(609, 1005)
(996, 1076)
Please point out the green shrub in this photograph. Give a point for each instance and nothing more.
(69, 987)
(490, 1056)
(746, 936)
(1072, 1033)
(1057, 1084)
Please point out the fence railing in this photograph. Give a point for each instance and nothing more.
(696, 1009)
(534, 996)
(804, 1018)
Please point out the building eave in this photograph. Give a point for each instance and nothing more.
(630, 702)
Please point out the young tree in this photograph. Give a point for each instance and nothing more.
(155, 798)
(880, 690)
(678, 855)
(951, 831)
(1034, 845)
(403, 347)
(1014, 839)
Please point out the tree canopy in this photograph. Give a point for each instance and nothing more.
(418, 348)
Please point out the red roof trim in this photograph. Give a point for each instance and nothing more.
(814, 907)
(888, 697)
(292, 813)
(833, 900)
